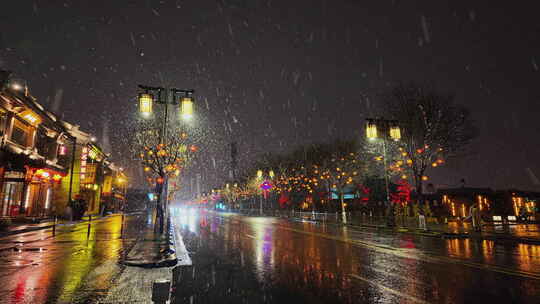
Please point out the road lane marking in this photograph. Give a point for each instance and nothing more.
(418, 256)
(389, 290)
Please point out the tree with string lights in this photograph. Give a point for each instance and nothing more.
(433, 129)
(163, 156)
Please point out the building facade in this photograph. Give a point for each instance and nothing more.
(33, 156)
(46, 162)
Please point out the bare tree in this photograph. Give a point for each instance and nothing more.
(434, 128)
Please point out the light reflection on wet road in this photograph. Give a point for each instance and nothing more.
(306, 262)
(75, 266)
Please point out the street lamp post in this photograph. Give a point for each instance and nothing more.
(164, 96)
(389, 130)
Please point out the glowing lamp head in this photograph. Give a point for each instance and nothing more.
(395, 133)
(16, 86)
(259, 173)
(371, 130)
(186, 108)
(272, 174)
(145, 104)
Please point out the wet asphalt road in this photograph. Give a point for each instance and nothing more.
(239, 259)
(77, 265)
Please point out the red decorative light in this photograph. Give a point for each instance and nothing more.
(193, 148)
(159, 180)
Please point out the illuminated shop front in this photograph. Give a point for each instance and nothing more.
(91, 177)
(12, 193)
(39, 191)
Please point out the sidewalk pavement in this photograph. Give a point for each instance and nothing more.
(151, 251)
(23, 228)
(146, 264)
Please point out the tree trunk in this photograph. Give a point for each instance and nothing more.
(159, 218)
(342, 199)
(419, 189)
(158, 225)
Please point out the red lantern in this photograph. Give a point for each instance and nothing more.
(159, 180)
(193, 148)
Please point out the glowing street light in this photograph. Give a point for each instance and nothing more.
(145, 104)
(16, 86)
(186, 108)
(371, 130)
(389, 130)
(395, 133)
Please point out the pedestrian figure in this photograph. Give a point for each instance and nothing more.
(474, 214)
(421, 219)
(522, 216)
(390, 215)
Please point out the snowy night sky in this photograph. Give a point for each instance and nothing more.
(275, 74)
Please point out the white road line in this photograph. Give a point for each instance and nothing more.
(389, 290)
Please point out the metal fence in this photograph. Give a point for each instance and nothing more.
(352, 218)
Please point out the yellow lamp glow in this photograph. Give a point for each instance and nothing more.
(259, 173)
(395, 133)
(145, 104)
(271, 174)
(371, 130)
(186, 108)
